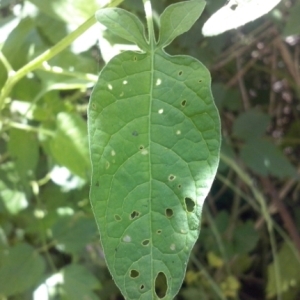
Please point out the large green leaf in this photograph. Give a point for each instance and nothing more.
(154, 135)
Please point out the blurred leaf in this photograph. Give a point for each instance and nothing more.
(71, 11)
(250, 125)
(265, 158)
(235, 14)
(226, 98)
(292, 26)
(245, 238)
(22, 269)
(214, 260)
(79, 283)
(70, 146)
(289, 266)
(74, 233)
(52, 29)
(12, 194)
(25, 156)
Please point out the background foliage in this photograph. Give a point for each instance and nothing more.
(249, 244)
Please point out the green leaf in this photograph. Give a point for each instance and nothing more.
(251, 125)
(154, 135)
(25, 157)
(235, 14)
(11, 193)
(265, 159)
(22, 268)
(177, 19)
(67, 230)
(289, 265)
(123, 24)
(71, 11)
(69, 146)
(79, 283)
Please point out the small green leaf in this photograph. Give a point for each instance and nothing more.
(79, 283)
(289, 265)
(123, 24)
(251, 125)
(265, 158)
(177, 19)
(67, 230)
(22, 268)
(25, 157)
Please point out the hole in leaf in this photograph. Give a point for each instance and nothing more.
(180, 73)
(189, 203)
(118, 218)
(172, 177)
(161, 285)
(179, 186)
(142, 147)
(183, 103)
(134, 58)
(142, 287)
(134, 214)
(134, 273)
(135, 133)
(200, 80)
(159, 231)
(169, 212)
(145, 242)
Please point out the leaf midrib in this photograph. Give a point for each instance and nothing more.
(149, 161)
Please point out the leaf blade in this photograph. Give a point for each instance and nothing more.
(177, 19)
(123, 24)
(148, 142)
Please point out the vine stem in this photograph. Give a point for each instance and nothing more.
(14, 77)
(262, 202)
(37, 62)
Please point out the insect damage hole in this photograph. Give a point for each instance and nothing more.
(171, 177)
(145, 242)
(183, 103)
(169, 212)
(118, 218)
(161, 285)
(180, 73)
(189, 203)
(134, 214)
(134, 273)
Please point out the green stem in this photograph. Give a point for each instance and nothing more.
(48, 54)
(45, 56)
(149, 17)
(262, 202)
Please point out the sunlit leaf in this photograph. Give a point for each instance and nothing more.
(235, 14)
(154, 136)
